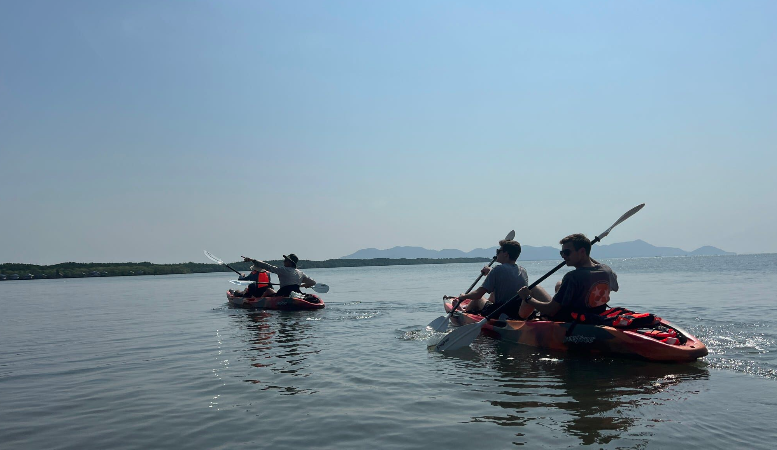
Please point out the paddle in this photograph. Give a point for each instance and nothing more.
(216, 260)
(321, 288)
(463, 336)
(441, 323)
(246, 282)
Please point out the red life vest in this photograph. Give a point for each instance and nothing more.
(263, 279)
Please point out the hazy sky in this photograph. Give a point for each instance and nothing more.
(150, 130)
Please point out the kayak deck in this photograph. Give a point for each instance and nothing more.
(302, 303)
(595, 339)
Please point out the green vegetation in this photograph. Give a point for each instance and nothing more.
(81, 270)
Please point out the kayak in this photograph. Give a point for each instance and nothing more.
(662, 342)
(298, 302)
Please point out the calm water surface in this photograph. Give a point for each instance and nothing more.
(163, 362)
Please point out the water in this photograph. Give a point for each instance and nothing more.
(162, 362)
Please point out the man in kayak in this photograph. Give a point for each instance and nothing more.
(290, 278)
(583, 290)
(261, 282)
(501, 282)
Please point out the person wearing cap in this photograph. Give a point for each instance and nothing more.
(261, 282)
(290, 278)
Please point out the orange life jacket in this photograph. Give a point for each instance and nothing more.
(263, 279)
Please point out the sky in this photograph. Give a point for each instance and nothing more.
(151, 131)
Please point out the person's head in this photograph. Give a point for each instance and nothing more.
(575, 248)
(290, 260)
(512, 249)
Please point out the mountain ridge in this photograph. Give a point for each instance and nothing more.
(630, 249)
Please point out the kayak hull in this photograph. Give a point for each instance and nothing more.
(586, 338)
(309, 302)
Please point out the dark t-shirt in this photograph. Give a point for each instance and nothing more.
(585, 290)
(504, 281)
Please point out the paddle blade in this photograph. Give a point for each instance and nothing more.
(510, 235)
(213, 258)
(460, 337)
(628, 214)
(321, 288)
(439, 324)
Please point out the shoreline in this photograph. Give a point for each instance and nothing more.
(95, 270)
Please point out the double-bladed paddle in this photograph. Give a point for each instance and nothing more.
(441, 323)
(463, 336)
(321, 288)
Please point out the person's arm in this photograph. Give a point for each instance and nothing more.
(477, 293)
(547, 308)
(613, 280)
(262, 264)
(307, 282)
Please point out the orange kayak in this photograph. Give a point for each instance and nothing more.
(650, 344)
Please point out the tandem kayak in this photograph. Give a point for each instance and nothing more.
(649, 343)
(297, 303)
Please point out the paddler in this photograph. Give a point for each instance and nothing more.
(261, 282)
(501, 282)
(290, 278)
(583, 290)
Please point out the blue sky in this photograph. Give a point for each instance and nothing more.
(149, 131)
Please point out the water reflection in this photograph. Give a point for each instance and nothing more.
(593, 399)
(278, 344)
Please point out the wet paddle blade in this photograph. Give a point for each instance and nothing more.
(460, 337)
(628, 214)
(439, 324)
(321, 288)
(213, 258)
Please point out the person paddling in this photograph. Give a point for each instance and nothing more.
(583, 290)
(290, 278)
(261, 282)
(501, 282)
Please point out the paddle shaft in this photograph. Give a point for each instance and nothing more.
(230, 267)
(493, 260)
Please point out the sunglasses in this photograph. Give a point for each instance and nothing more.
(566, 252)
(498, 251)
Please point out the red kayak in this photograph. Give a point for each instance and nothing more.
(661, 342)
(298, 302)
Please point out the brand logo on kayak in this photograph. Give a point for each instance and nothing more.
(580, 339)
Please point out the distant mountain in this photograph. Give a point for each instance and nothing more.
(633, 249)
